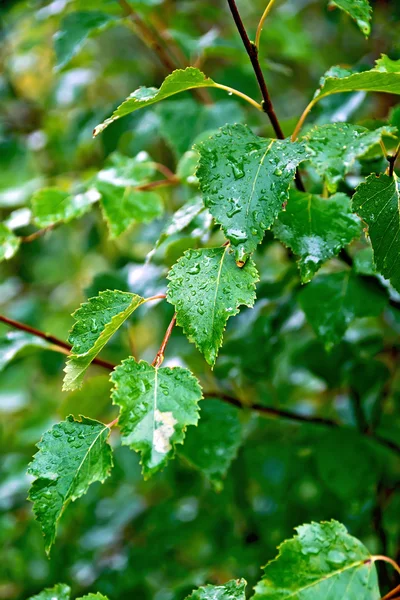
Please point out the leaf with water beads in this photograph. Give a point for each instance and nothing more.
(245, 180)
(9, 243)
(377, 201)
(335, 147)
(72, 455)
(316, 228)
(96, 321)
(322, 562)
(232, 590)
(207, 288)
(157, 404)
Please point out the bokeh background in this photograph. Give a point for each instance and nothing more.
(159, 539)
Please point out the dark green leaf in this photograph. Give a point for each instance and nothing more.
(335, 147)
(377, 201)
(331, 302)
(316, 228)
(72, 455)
(322, 562)
(157, 404)
(245, 180)
(214, 444)
(206, 288)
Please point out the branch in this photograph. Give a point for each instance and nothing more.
(51, 339)
(266, 104)
(264, 410)
(25, 239)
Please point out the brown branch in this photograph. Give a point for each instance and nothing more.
(36, 234)
(156, 184)
(266, 104)
(392, 161)
(51, 339)
(392, 593)
(159, 357)
(264, 410)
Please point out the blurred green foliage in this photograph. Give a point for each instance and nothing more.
(157, 540)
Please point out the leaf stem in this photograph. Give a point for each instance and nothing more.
(26, 239)
(230, 90)
(114, 422)
(392, 562)
(392, 161)
(391, 594)
(300, 122)
(261, 23)
(266, 104)
(159, 357)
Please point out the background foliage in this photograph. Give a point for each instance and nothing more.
(189, 524)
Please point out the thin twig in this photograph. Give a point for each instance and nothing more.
(264, 410)
(51, 339)
(261, 23)
(266, 104)
(392, 562)
(156, 184)
(392, 161)
(26, 239)
(391, 594)
(159, 357)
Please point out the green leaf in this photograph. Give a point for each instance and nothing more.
(322, 562)
(157, 404)
(58, 592)
(51, 205)
(178, 81)
(331, 302)
(377, 201)
(384, 77)
(97, 596)
(122, 207)
(335, 147)
(121, 203)
(72, 455)
(181, 218)
(9, 243)
(75, 28)
(359, 10)
(245, 180)
(96, 321)
(233, 590)
(214, 444)
(316, 228)
(206, 288)
(17, 343)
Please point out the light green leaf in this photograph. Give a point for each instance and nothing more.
(322, 562)
(245, 180)
(331, 302)
(157, 404)
(96, 321)
(214, 444)
(316, 228)
(335, 147)
(384, 77)
(16, 343)
(75, 28)
(51, 205)
(377, 201)
(206, 288)
(58, 592)
(178, 81)
(72, 455)
(122, 207)
(121, 203)
(9, 243)
(97, 596)
(359, 10)
(181, 218)
(233, 590)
